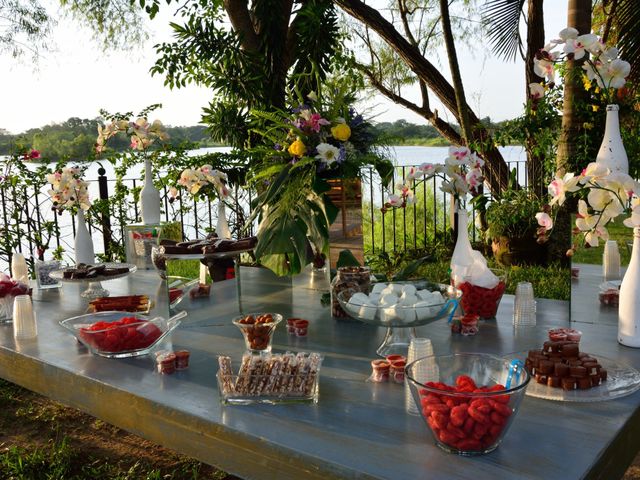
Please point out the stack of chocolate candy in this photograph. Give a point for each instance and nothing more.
(560, 364)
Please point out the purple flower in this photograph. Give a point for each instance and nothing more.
(342, 155)
(277, 146)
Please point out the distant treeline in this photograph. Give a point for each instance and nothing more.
(74, 139)
(402, 132)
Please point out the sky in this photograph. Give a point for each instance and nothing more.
(77, 79)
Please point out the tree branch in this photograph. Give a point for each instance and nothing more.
(238, 12)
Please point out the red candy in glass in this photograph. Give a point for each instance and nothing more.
(128, 333)
(465, 423)
(481, 301)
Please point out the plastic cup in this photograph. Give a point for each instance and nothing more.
(24, 319)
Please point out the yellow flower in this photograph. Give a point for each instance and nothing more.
(297, 148)
(586, 82)
(587, 125)
(341, 132)
(595, 108)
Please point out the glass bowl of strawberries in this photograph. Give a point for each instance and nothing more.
(467, 400)
(483, 301)
(120, 334)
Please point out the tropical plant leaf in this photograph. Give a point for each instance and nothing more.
(627, 16)
(501, 20)
(347, 259)
(406, 272)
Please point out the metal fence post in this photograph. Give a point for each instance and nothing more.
(105, 219)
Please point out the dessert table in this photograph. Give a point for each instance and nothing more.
(358, 429)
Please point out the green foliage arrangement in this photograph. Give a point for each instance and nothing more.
(321, 138)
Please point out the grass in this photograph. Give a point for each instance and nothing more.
(44, 440)
(593, 255)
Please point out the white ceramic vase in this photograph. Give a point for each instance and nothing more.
(462, 257)
(149, 197)
(222, 227)
(612, 153)
(629, 307)
(83, 243)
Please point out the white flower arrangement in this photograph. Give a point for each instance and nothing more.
(68, 190)
(602, 63)
(461, 174)
(204, 179)
(610, 194)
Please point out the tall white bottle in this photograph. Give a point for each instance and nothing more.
(83, 243)
(612, 153)
(222, 227)
(149, 197)
(629, 307)
(462, 257)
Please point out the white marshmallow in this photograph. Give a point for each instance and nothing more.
(374, 298)
(393, 314)
(368, 312)
(378, 287)
(408, 300)
(359, 299)
(386, 300)
(408, 289)
(423, 294)
(397, 288)
(388, 290)
(423, 310)
(437, 298)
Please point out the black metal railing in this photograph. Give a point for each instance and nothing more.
(411, 228)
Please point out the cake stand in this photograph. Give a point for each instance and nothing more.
(94, 287)
(401, 321)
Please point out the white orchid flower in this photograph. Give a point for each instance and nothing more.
(394, 200)
(615, 73)
(594, 171)
(327, 153)
(605, 202)
(475, 161)
(594, 235)
(414, 174)
(474, 178)
(428, 169)
(568, 33)
(544, 68)
(536, 90)
(585, 221)
(559, 187)
(458, 156)
(544, 220)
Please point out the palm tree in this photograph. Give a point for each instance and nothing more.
(502, 19)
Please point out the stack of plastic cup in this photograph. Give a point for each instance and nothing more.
(524, 308)
(24, 318)
(611, 261)
(428, 372)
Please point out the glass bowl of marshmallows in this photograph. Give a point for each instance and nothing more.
(401, 304)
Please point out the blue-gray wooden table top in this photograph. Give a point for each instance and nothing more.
(586, 306)
(358, 429)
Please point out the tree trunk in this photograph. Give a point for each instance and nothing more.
(535, 41)
(496, 170)
(579, 18)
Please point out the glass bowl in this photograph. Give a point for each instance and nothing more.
(399, 315)
(257, 335)
(473, 418)
(481, 301)
(109, 335)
